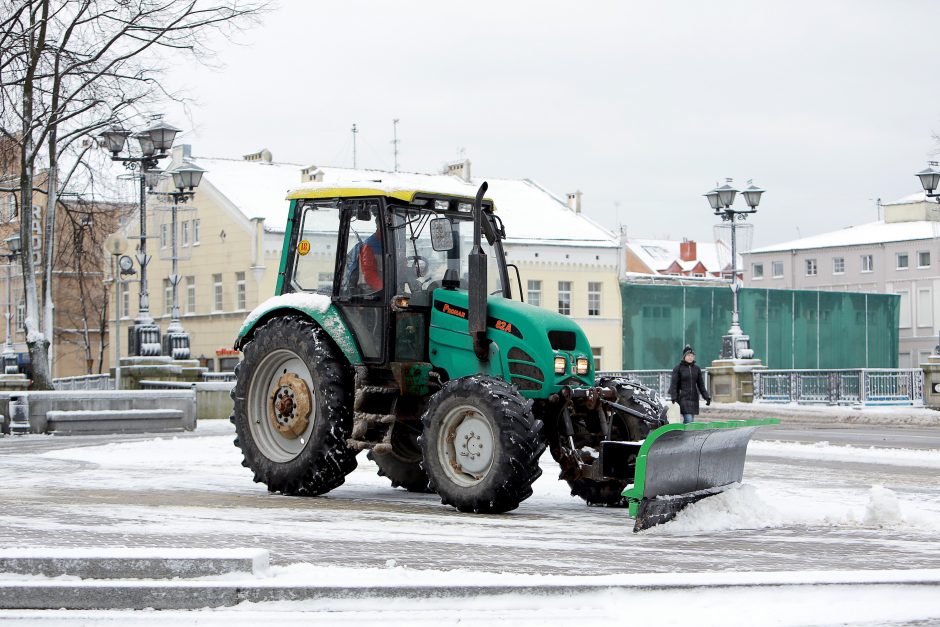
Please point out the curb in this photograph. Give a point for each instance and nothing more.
(187, 595)
(137, 563)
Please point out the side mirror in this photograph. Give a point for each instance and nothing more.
(442, 234)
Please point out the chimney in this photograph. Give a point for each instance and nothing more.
(460, 169)
(574, 201)
(182, 152)
(263, 155)
(687, 250)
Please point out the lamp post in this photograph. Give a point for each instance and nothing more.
(186, 178)
(735, 344)
(154, 144)
(9, 355)
(115, 245)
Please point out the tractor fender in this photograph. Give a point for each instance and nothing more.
(316, 307)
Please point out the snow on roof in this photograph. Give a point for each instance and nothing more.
(256, 188)
(659, 254)
(863, 234)
(910, 198)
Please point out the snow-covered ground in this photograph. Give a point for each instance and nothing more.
(805, 510)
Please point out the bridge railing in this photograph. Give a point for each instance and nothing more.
(858, 386)
(861, 386)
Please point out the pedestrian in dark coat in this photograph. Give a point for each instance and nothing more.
(686, 385)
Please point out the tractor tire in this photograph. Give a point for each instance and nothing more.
(481, 445)
(607, 493)
(293, 395)
(403, 465)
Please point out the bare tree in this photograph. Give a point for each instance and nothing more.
(69, 68)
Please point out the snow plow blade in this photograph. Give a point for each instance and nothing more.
(679, 464)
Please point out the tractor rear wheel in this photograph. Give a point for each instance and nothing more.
(403, 465)
(292, 408)
(481, 445)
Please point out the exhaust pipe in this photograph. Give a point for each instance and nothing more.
(476, 318)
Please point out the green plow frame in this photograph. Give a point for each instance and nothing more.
(679, 464)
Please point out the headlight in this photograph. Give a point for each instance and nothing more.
(581, 366)
(560, 365)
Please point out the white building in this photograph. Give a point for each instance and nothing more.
(896, 255)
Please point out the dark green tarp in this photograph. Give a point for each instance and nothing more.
(788, 328)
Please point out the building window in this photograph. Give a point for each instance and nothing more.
(325, 282)
(838, 265)
(902, 260)
(594, 298)
(534, 293)
(239, 290)
(125, 300)
(167, 297)
(20, 314)
(810, 267)
(905, 315)
(757, 271)
(191, 294)
(924, 308)
(11, 207)
(923, 259)
(777, 268)
(195, 231)
(868, 263)
(217, 292)
(598, 353)
(185, 233)
(564, 297)
(163, 235)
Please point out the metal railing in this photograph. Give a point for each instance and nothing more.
(862, 386)
(655, 379)
(86, 382)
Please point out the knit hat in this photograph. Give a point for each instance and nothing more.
(688, 349)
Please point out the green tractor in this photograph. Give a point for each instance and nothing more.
(394, 330)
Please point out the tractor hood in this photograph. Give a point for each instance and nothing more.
(524, 342)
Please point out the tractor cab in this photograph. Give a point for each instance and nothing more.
(366, 252)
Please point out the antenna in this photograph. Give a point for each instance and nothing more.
(395, 142)
(354, 131)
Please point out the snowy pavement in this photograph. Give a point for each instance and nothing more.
(804, 508)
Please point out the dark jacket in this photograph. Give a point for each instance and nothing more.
(682, 389)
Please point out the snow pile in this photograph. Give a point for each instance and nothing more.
(883, 509)
(740, 507)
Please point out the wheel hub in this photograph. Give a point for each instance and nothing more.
(289, 405)
(473, 445)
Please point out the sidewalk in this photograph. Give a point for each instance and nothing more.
(824, 415)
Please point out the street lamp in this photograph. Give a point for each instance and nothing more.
(734, 345)
(115, 245)
(9, 355)
(186, 178)
(154, 144)
(929, 179)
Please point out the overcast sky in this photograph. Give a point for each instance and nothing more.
(642, 106)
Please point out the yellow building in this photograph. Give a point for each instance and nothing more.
(229, 238)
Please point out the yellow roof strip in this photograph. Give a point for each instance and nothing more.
(348, 192)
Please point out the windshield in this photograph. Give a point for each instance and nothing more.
(421, 268)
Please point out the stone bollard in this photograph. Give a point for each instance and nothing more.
(19, 415)
(732, 380)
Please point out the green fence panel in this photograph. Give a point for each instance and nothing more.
(788, 328)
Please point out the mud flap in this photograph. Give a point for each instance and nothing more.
(679, 464)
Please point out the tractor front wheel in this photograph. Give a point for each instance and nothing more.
(292, 398)
(481, 445)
